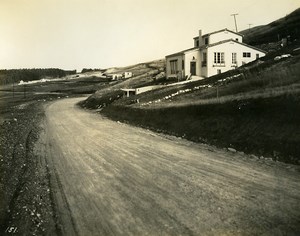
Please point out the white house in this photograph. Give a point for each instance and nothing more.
(134, 91)
(116, 76)
(127, 75)
(212, 54)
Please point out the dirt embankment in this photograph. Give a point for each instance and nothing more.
(265, 127)
(25, 206)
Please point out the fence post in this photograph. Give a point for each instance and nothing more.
(13, 89)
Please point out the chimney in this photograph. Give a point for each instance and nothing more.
(200, 38)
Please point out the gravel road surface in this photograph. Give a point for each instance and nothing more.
(109, 178)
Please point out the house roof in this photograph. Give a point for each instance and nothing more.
(128, 89)
(218, 31)
(214, 44)
(231, 40)
(181, 52)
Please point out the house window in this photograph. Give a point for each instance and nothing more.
(257, 55)
(219, 58)
(234, 61)
(206, 41)
(197, 43)
(183, 64)
(246, 54)
(204, 61)
(236, 39)
(173, 65)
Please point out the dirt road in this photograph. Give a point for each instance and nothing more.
(110, 178)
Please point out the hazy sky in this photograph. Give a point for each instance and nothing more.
(72, 34)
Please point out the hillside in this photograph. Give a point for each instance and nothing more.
(16, 75)
(266, 36)
(252, 109)
(143, 74)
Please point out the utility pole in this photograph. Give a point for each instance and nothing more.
(24, 91)
(235, 14)
(13, 88)
(250, 26)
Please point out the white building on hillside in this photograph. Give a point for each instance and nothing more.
(127, 75)
(116, 76)
(212, 54)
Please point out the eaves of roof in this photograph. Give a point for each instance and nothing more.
(181, 52)
(218, 31)
(231, 40)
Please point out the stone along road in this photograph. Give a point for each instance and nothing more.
(109, 178)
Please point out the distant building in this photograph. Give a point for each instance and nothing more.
(116, 76)
(127, 92)
(127, 75)
(212, 54)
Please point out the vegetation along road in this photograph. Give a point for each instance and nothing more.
(109, 178)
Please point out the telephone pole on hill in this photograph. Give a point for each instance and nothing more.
(250, 26)
(235, 14)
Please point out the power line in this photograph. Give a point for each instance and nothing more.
(235, 14)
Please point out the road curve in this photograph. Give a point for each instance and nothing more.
(110, 178)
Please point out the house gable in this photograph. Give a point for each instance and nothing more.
(233, 41)
(222, 30)
(228, 55)
(216, 36)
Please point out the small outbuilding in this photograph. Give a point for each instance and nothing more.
(116, 76)
(128, 92)
(127, 75)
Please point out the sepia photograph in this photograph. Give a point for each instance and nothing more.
(150, 117)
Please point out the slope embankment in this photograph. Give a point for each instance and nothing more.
(266, 127)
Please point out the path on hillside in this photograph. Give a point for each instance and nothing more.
(110, 178)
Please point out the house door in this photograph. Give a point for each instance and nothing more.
(193, 68)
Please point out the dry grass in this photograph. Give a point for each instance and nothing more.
(275, 79)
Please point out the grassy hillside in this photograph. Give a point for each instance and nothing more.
(143, 74)
(269, 36)
(266, 127)
(253, 109)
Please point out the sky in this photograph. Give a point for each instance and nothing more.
(76, 34)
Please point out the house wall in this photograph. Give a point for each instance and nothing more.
(128, 92)
(116, 76)
(228, 49)
(148, 88)
(127, 75)
(189, 55)
(196, 42)
(224, 35)
(203, 68)
(179, 59)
